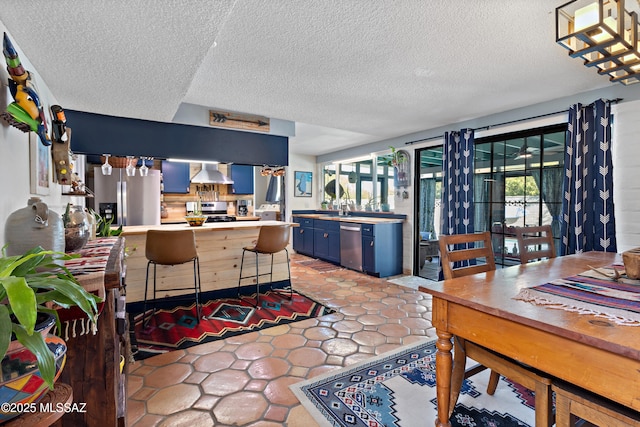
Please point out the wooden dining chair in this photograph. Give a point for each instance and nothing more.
(573, 403)
(471, 253)
(463, 255)
(535, 243)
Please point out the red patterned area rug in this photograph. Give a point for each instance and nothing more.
(177, 328)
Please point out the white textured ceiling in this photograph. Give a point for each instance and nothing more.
(348, 72)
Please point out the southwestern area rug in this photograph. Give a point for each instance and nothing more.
(398, 389)
(177, 328)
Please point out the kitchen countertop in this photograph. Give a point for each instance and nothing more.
(184, 221)
(247, 218)
(349, 218)
(209, 226)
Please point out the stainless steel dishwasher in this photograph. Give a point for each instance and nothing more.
(351, 246)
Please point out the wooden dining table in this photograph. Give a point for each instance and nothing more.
(588, 351)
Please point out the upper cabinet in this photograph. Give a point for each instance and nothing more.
(175, 177)
(242, 176)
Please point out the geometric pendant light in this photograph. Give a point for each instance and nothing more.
(604, 35)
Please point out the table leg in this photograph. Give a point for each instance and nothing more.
(444, 365)
(458, 371)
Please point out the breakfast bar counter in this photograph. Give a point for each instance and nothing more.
(219, 246)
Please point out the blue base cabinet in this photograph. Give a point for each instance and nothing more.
(382, 249)
(326, 240)
(303, 236)
(381, 244)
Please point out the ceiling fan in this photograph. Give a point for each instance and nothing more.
(524, 152)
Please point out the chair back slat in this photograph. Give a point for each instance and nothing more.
(476, 257)
(535, 243)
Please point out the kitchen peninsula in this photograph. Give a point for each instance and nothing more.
(219, 249)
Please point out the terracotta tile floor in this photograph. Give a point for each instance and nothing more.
(244, 380)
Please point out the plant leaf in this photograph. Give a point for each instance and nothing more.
(35, 344)
(5, 330)
(73, 293)
(22, 300)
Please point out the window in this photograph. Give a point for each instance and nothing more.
(356, 185)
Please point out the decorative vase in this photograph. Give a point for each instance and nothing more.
(34, 225)
(21, 382)
(92, 223)
(44, 323)
(76, 231)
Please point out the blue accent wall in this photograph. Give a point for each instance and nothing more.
(96, 134)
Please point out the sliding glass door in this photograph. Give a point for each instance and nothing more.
(517, 182)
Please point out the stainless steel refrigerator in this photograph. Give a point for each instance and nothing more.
(129, 200)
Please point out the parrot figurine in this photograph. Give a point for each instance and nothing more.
(26, 113)
(59, 122)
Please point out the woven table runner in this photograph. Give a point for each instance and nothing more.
(89, 269)
(591, 292)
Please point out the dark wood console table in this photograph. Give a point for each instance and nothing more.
(93, 361)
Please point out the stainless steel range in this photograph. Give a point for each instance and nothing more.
(215, 211)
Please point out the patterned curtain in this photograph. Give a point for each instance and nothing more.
(457, 183)
(457, 187)
(427, 203)
(587, 222)
(482, 208)
(551, 188)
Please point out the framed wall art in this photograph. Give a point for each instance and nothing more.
(40, 170)
(302, 184)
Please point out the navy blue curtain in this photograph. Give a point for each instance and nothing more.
(587, 221)
(457, 186)
(457, 183)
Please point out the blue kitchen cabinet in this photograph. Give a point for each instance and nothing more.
(326, 240)
(382, 249)
(242, 176)
(303, 236)
(175, 177)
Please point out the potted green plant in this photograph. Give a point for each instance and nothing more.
(398, 157)
(103, 225)
(30, 284)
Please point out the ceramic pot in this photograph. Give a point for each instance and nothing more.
(34, 225)
(44, 323)
(21, 381)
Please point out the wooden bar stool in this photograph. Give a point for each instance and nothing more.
(271, 240)
(573, 403)
(171, 247)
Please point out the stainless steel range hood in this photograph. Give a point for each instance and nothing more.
(210, 175)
